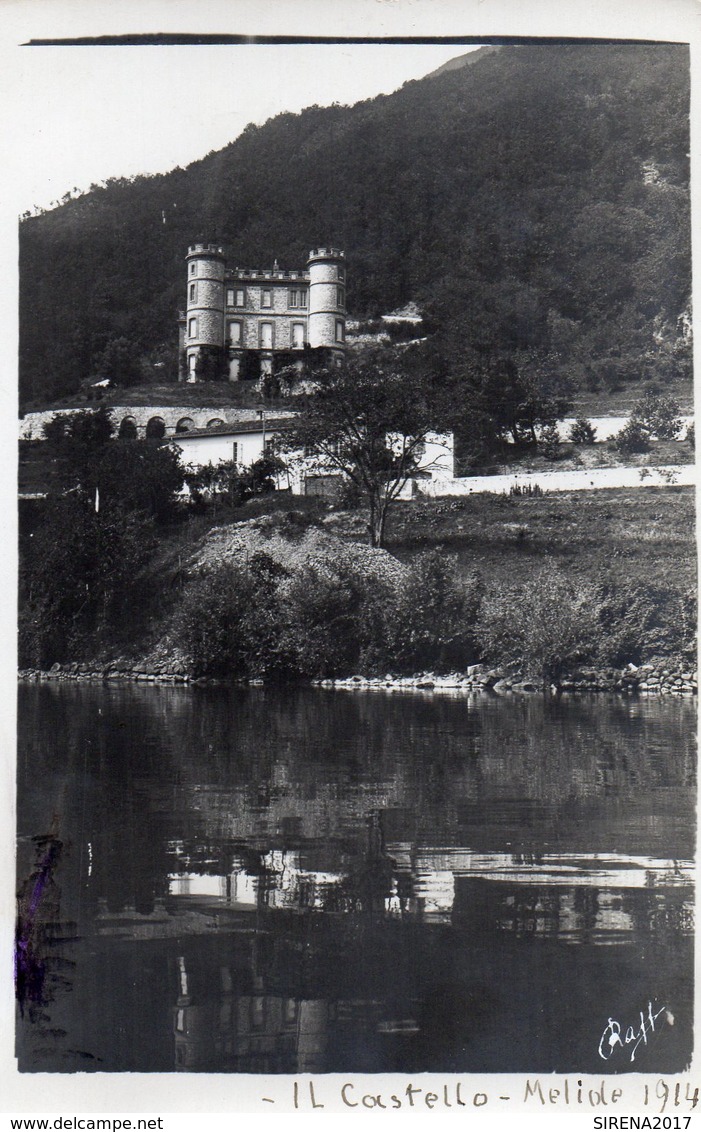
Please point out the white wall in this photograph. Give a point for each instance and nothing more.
(202, 450)
(579, 480)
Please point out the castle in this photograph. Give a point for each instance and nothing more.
(243, 317)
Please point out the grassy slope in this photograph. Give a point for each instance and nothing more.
(603, 403)
(645, 533)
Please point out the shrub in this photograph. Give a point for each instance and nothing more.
(658, 415)
(209, 623)
(531, 490)
(633, 437)
(638, 621)
(432, 623)
(549, 442)
(230, 618)
(582, 431)
(334, 619)
(228, 483)
(542, 628)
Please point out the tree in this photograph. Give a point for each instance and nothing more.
(582, 432)
(509, 397)
(368, 418)
(658, 414)
(228, 482)
(136, 475)
(77, 578)
(120, 362)
(74, 443)
(632, 438)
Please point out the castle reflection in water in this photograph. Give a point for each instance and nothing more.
(231, 1020)
(253, 882)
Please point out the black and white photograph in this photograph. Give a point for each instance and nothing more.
(356, 569)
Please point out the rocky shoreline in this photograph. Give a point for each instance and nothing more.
(664, 677)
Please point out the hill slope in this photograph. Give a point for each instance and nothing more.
(537, 198)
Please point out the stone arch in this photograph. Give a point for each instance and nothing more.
(216, 422)
(128, 429)
(185, 424)
(156, 428)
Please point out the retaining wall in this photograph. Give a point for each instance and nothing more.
(585, 479)
(31, 426)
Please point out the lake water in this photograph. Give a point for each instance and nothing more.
(263, 881)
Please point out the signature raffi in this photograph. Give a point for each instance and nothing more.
(633, 1036)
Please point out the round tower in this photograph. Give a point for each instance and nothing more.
(204, 324)
(327, 299)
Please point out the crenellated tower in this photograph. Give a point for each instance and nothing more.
(205, 303)
(327, 299)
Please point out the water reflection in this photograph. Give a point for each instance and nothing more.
(307, 881)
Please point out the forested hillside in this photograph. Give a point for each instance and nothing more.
(534, 203)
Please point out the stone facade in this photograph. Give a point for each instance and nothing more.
(247, 313)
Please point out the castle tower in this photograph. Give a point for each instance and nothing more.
(327, 299)
(204, 325)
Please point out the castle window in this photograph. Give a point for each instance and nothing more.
(234, 333)
(192, 365)
(266, 298)
(193, 269)
(269, 449)
(303, 298)
(193, 292)
(293, 299)
(266, 335)
(230, 297)
(340, 273)
(340, 296)
(340, 331)
(240, 298)
(235, 452)
(192, 328)
(297, 335)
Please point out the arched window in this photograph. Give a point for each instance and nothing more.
(156, 428)
(127, 429)
(216, 422)
(184, 424)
